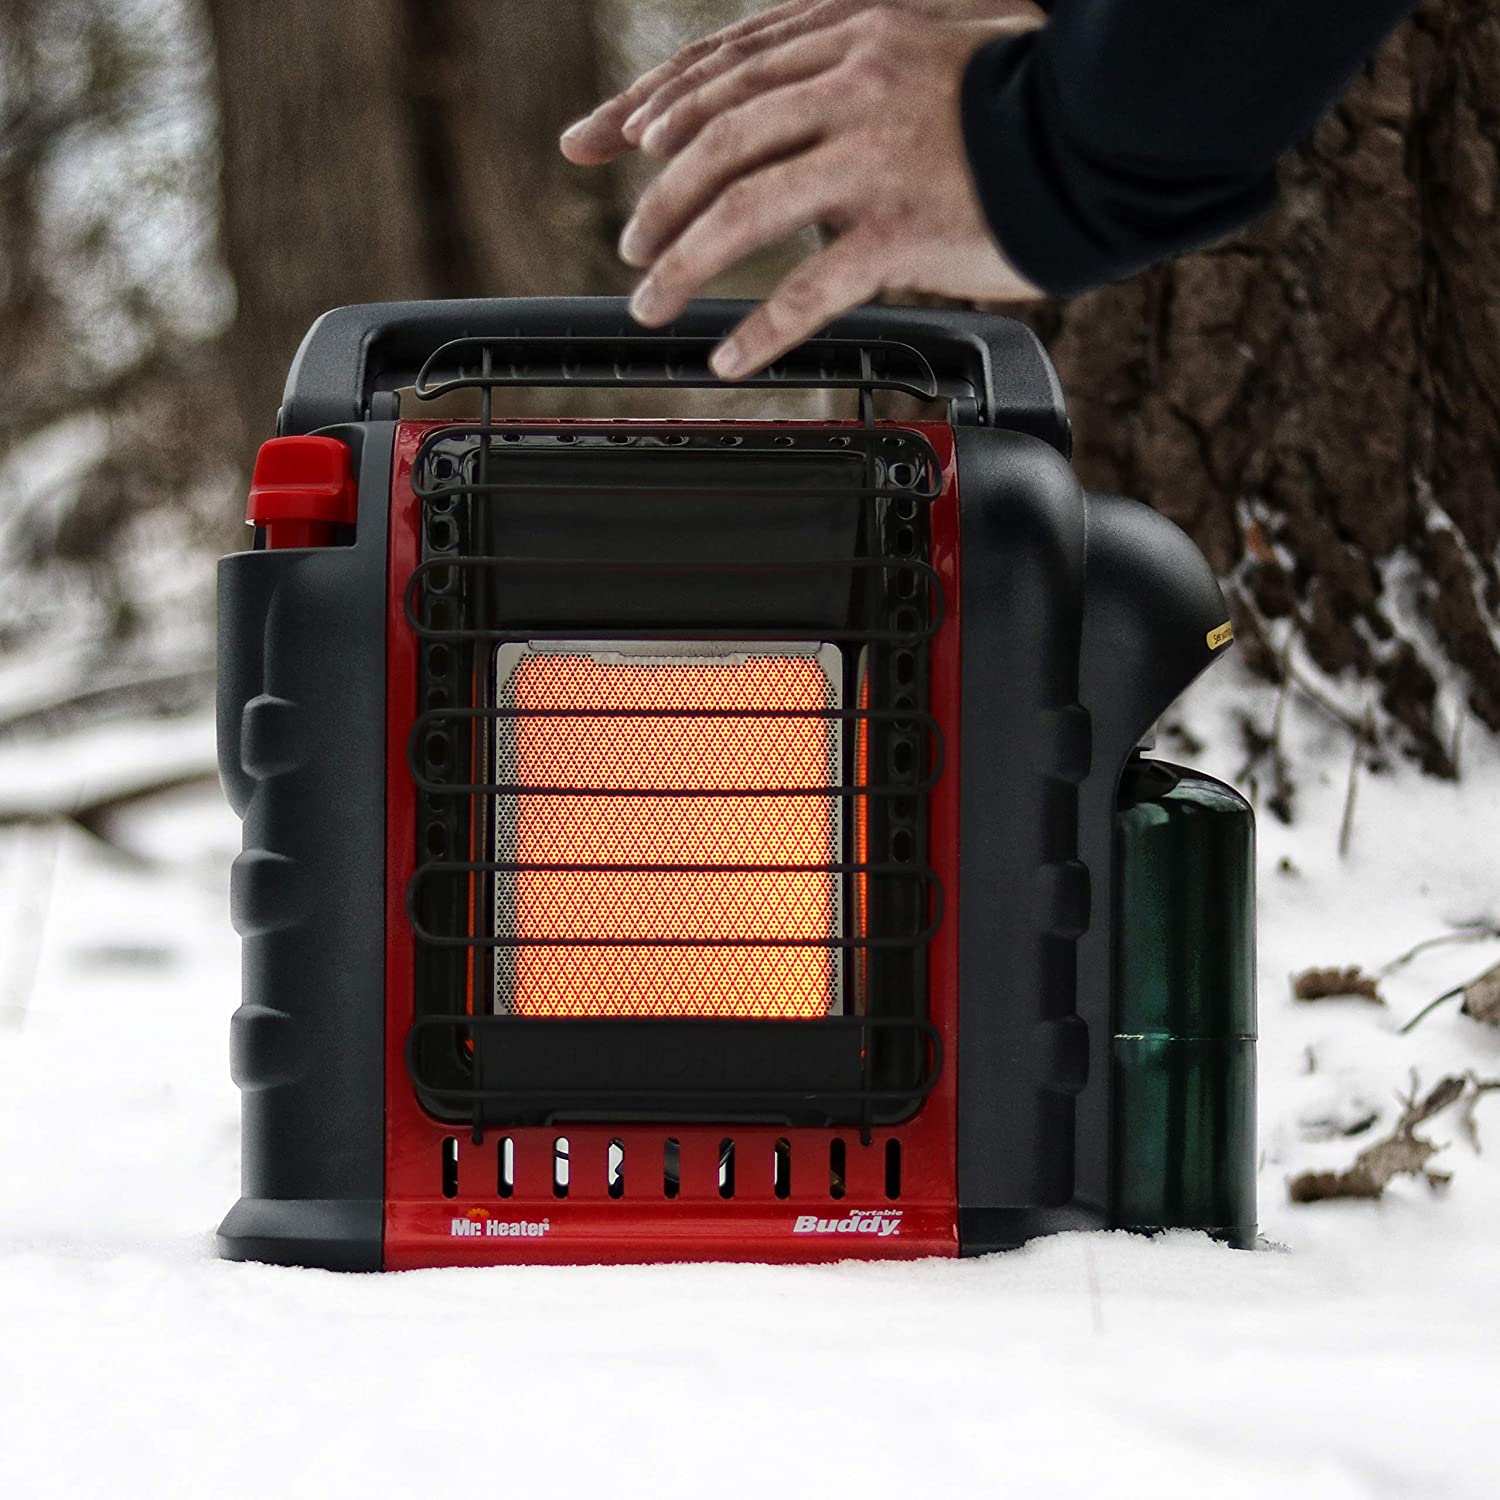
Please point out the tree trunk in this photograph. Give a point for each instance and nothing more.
(1318, 400)
(397, 149)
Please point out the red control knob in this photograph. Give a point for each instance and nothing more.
(302, 490)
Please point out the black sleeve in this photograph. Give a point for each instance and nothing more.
(1126, 131)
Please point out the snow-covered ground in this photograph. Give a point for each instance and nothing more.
(1357, 1354)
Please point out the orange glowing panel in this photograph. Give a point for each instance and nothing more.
(674, 973)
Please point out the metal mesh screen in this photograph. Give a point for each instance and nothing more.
(679, 903)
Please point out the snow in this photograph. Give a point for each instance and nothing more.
(1354, 1355)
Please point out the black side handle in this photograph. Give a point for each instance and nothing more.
(993, 371)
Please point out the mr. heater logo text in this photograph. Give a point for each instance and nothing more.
(881, 1222)
(477, 1224)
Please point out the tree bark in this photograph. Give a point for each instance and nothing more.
(398, 149)
(1318, 400)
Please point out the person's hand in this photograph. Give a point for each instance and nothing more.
(850, 122)
(618, 124)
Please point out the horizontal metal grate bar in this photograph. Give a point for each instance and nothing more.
(900, 461)
(480, 866)
(722, 794)
(487, 363)
(922, 629)
(906, 786)
(470, 1029)
(850, 715)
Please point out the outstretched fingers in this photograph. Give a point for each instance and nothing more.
(602, 136)
(731, 147)
(824, 286)
(733, 54)
(678, 127)
(752, 212)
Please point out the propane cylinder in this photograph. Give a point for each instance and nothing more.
(1183, 1051)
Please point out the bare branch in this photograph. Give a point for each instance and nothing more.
(141, 692)
(95, 816)
(1428, 1009)
(1474, 932)
(1478, 1088)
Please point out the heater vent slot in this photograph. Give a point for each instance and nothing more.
(672, 757)
(781, 1169)
(893, 1168)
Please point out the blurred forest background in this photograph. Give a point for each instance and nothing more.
(186, 184)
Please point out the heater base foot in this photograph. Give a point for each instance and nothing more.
(332, 1234)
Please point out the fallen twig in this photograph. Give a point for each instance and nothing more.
(1363, 737)
(1478, 1088)
(1346, 822)
(1481, 997)
(1428, 1009)
(1403, 1153)
(1473, 932)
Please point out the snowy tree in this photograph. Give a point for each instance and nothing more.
(1318, 400)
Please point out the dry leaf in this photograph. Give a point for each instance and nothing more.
(1482, 997)
(1324, 984)
(1402, 1153)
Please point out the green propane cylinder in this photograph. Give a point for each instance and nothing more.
(1183, 1058)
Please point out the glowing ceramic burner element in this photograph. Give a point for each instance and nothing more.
(690, 963)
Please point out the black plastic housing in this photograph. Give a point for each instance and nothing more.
(301, 729)
(1084, 616)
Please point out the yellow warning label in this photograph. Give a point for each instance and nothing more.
(1221, 635)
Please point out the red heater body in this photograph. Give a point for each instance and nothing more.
(696, 839)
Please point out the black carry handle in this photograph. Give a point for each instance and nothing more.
(658, 363)
(992, 371)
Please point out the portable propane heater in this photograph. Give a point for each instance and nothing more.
(717, 839)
